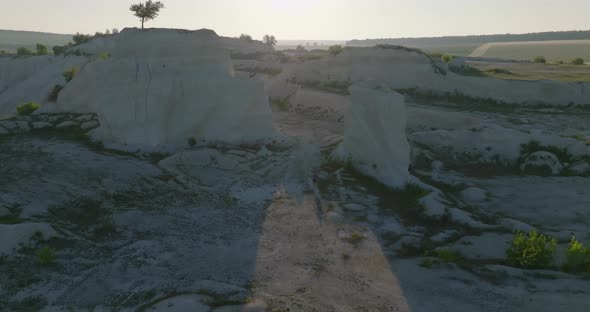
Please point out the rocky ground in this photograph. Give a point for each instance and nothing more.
(218, 228)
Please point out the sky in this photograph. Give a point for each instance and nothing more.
(307, 19)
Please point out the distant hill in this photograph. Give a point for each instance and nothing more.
(464, 45)
(10, 40)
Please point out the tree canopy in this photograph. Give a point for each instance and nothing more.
(146, 11)
(270, 40)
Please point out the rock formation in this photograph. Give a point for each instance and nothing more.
(375, 135)
(163, 87)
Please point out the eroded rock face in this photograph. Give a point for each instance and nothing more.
(163, 87)
(375, 135)
(32, 78)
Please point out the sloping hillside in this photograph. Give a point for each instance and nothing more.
(10, 40)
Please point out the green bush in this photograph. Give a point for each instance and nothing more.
(335, 49)
(57, 50)
(27, 108)
(577, 257)
(531, 251)
(42, 49)
(46, 256)
(446, 58)
(70, 74)
(540, 59)
(578, 61)
(24, 52)
(104, 56)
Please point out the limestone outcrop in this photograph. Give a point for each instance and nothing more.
(375, 135)
(26, 79)
(161, 88)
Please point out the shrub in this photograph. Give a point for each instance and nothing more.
(81, 38)
(578, 61)
(540, 59)
(27, 108)
(46, 256)
(246, 37)
(70, 74)
(577, 257)
(446, 58)
(57, 50)
(42, 49)
(192, 142)
(335, 49)
(24, 52)
(531, 251)
(3, 52)
(54, 93)
(104, 56)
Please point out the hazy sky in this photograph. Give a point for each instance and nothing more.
(307, 19)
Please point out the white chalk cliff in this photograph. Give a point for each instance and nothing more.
(375, 135)
(26, 79)
(162, 87)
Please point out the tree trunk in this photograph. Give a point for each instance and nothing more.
(142, 20)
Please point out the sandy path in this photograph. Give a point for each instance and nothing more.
(308, 266)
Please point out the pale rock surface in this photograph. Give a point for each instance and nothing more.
(4, 211)
(41, 125)
(473, 195)
(89, 125)
(375, 135)
(67, 124)
(542, 160)
(15, 234)
(29, 79)
(161, 87)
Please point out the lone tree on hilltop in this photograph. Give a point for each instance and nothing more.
(270, 40)
(147, 11)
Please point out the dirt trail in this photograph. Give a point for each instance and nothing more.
(332, 266)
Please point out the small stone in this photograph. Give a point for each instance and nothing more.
(67, 124)
(84, 118)
(89, 125)
(24, 118)
(55, 118)
(41, 125)
(15, 126)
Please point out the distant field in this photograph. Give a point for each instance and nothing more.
(11, 40)
(533, 71)
(564, 50)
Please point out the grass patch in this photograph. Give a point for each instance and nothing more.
(449, 256)
(46, 256)
(337, 87)
(459, 100)
(355, 239)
